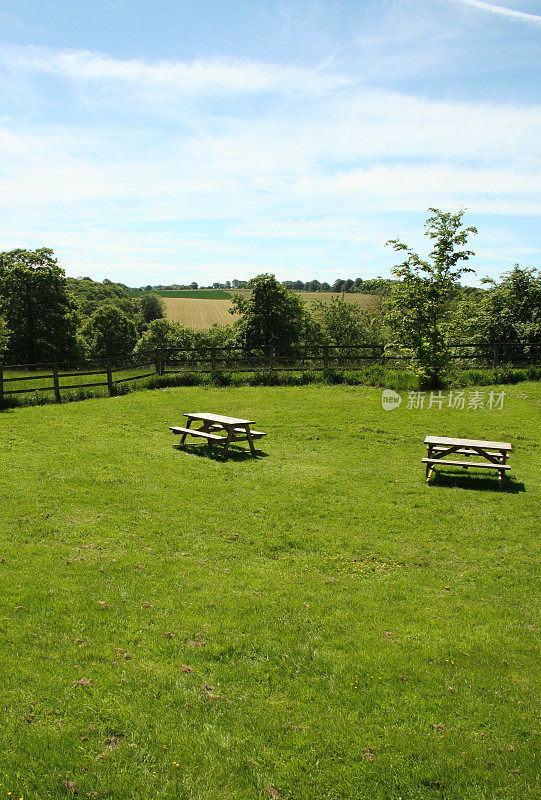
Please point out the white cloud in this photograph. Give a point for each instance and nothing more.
(511, 13)
(198, 77)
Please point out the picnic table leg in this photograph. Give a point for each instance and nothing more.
(429, 467)
(183, 437)
(230, 434)
(250, 440)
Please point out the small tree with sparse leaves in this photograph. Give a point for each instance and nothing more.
(419, 302)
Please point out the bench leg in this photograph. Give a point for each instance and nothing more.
(228, 441)
(250, 440)
(429, 470)
(183, 437)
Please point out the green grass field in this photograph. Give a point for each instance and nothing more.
(313, 623)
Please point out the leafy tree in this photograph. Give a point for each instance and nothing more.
(152, 307)
(163, 334)
(89, 295)
(37, 309)
(338, 285)
(345, 324)
(4, 337)
(340, 322)
(271, 317)
(419, 305)
(110, 333)
(511, 310)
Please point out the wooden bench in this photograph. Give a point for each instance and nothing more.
(438, 447)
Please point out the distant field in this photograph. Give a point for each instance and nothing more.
(364, 300)
(198, 310)
(199, 314)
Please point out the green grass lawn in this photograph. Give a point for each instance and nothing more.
(313, 623)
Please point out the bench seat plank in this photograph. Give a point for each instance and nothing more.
(195, 432)
(484, 465)
(241, 431)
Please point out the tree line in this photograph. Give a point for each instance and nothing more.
(381, 286)
(46, 317)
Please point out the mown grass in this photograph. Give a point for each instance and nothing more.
(313, 623)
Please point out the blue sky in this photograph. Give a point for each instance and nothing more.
(171, 141)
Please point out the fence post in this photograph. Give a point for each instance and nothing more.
(325, 356)
(56, 383)
(212, 359)
(110, 384)
(1, 382)
(495, 357)
(270, 357)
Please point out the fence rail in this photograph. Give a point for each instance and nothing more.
(212, 359)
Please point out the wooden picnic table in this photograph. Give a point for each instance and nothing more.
(439, 447)
(215, 426)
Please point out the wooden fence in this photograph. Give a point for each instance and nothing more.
(30, 378)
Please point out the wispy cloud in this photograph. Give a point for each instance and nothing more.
(196, 77)
(511, 13)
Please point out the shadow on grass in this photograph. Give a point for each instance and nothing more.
(479, 482)
(216, 452)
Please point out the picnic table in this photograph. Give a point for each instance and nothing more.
(439, 447)
(219, 429)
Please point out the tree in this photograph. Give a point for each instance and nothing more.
(89, 295)
(152, 307)
(420, 301)
(110, 333)
(37, 309)
(271, 317)
(510, 311)
(340, 322)
(163, 334)
(345, 324)
(4, 337)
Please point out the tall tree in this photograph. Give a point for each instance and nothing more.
(152, 306)
(272, 316)
(36, 306)
(4, 337)
(110, 333)
(420, 301)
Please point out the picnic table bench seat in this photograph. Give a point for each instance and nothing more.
(240, 431)
(195, 432)
(465, 464)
